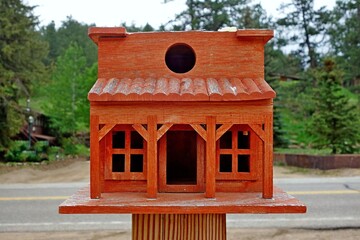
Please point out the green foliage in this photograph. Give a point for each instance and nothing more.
(21, 55)
(73, 55)
(335, 123)
(209, 14)
(73, 146)
(19, 151)
(66, 95)
(70, 32)
(296, 108)
(134, 28)
(304, 26)
(345, 39)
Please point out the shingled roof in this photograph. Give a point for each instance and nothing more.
(184, 89)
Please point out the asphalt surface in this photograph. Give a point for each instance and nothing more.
(333, 203)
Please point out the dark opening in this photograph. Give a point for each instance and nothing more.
(243, 140)
(118, 163)
(243, 163)
(118, 140)
(180, 58)
(225, 163)
(226, 140)
(136, 141)
(181, 158)
(136, 163)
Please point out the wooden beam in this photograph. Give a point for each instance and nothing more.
(223, 129)
(105, 130)
(142, 131)
(258, 130)
(164, 128)
(95, 186)
(152, 166)
(200, 130)
(210, 156)
(268, 158)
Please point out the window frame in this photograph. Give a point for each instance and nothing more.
(254, 152)
(127, 151)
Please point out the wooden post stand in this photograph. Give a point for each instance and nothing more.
(179, 226)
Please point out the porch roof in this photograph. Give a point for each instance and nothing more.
(180, 89)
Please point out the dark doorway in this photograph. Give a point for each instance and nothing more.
(181, 160)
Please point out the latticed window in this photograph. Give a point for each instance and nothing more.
(127, 155)
(236, 154)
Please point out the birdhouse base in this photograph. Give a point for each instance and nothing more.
(181, 203)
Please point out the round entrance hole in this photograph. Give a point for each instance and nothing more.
(180, 58)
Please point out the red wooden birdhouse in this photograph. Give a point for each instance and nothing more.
(181, 112)
(184, 119)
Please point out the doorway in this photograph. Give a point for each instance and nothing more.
(181, 161)
(181, 158)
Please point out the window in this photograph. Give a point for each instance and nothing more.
(127, 158)
(235, 154)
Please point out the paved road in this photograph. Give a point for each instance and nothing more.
(332, 203)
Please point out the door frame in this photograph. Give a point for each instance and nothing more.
(200, 171)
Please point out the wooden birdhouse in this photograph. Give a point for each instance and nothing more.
(184, 119)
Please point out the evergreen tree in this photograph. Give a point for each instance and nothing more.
(66, 96)
(70, 31)
(304, 26)
(134, 28)
(345, 38)
(335, 122)
(21, 55)
(209, 14)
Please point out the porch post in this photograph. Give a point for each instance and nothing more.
(210, 156)
(268, 158)
(152, 165)
(95, 187)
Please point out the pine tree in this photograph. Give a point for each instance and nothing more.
(70, 31)
(345, 39)
(209, 14)
(335, 122)
(66, 95)
(21, 55)
(304, 26)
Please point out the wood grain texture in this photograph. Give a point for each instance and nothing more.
(210, 157)
(179, 226)
(268, 158)
(95, 33)
(248, 112)
(224, 90)
(149, 89)
(94, 157)
(145, 55)
(105, 130)
(199, 186)
(152, 169)
(181, 203)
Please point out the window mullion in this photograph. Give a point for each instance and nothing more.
(234, 151)
(127, 150)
